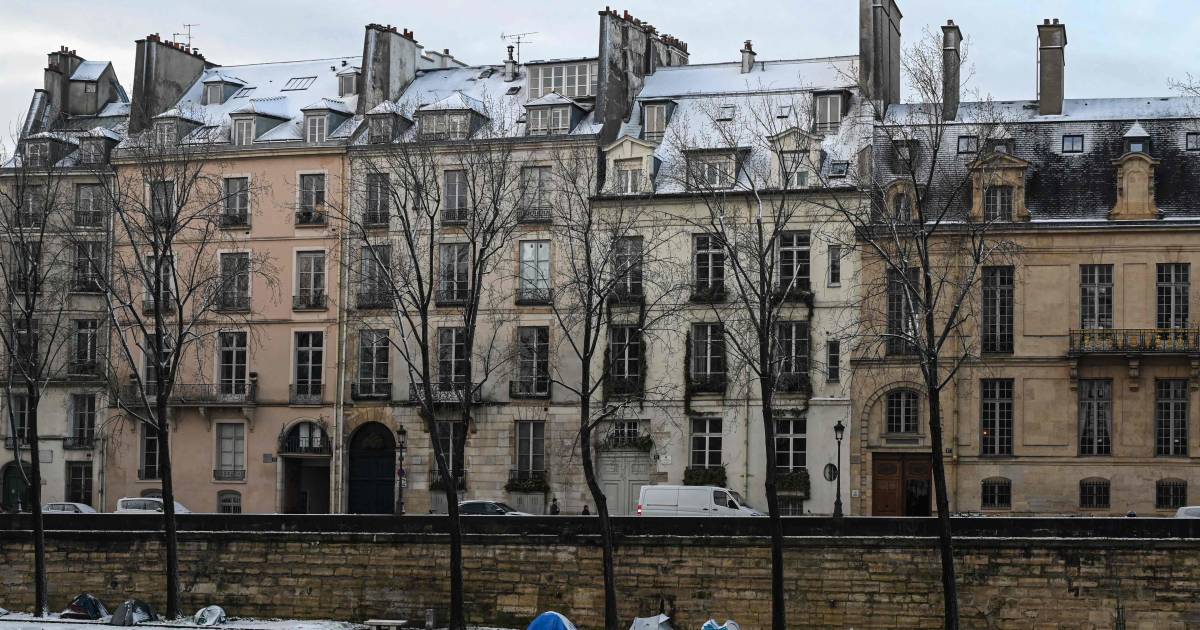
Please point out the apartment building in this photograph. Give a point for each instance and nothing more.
(1080, 398)
(52, 190)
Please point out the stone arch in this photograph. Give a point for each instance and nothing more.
(372, 470)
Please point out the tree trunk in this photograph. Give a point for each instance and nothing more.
(41, 606)
(945, 540)
(457, 588)
(168, 493)
(778, 601)
(611, 620)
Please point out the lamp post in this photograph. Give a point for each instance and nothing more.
(839, 430)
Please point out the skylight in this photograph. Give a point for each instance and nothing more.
(243, 93)
(298, 83)
(513, 90)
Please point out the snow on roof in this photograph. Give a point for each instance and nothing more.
(1137, 131)
(822, 73)
(281, 89)
(331, 104)
(185, 113)
(216, 76)
(90, 70)
(102, 132)
(455, 101)
(386, 107)
(114, 109)
(553, 98)
(1074, 109)
(351, 69)
(61, 136)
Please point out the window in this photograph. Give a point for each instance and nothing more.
(996, 432)
(996, 494)
(627, 267)
(791, 355)
(839, 169)
(79, 482)
(37, 153)
(828, 112)
(312, 198)
(20, 416)
(901, 312)
(162, 200)
(379, 129)
(373, 363)
(656, 122)
(549, 120)
(1171, 417)
(793, 261)
(790, 444)
(150, 452)
(1137, 145)
(374, 269)
(310, 368)
(453, 364)
(151, 363)
(791, 164)
(998, 203)
(833, 361)
(348, 84)
(86, 353)
(91, 151)
(1170, 494)
(901, 207)
(310, 279)
(791, 505)
(229, 502)
(231, 451)
(531, 449)
(706, 442)
(164, 133)
(243, 92)
(451, 441)
(968, 144)
(708, 353)
(535, 188)
(379, 195)
(625, 356)
(1072, 143)
(708, 264)
(535, 272)
(835, 265)
(233, 360)
(89, 259)
(1192, 141)
(89, 205)
(1001, 146)
(315, 127)
(997, 317)
(1096, 296)
(243, 131)
(455, 189)
(900, 410)
(1173, 295)
(237, 201)
(533, 361)
(235, 281)
(711, 171)
(629, 176)
(575, 80)
(453, 282)
(28, 342)
(1094, 494)
(214, 93)
(725, 113)
(297, 83)
(1095, 417)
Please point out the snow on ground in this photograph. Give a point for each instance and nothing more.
(20, 621)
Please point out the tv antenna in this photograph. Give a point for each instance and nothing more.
(517, 39)
(187, 31)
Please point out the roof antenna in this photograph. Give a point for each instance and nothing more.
(187, 31)
(518, 39)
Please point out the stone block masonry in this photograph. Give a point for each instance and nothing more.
(860, 573)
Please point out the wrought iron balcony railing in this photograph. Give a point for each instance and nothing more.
(535, 214)
(235, 219)
(708, 294)
(79, 442)
(304, 445)
(375, 219)
(311, 217)
(81, 367)
(436, 480)
(229, 474)
(529, 387)
(89, 219)
(1135, 341)
(534, 296)
(455, 296)
(147, 473)
(371, 390)
(792, 383)
(454, 216)
(374, 298)
(309, 301)
(624, 385)
(444, 393)
(233, 302)
(627, 295)
(195, 394)
(306, 393)
(13, 442)
(707, 383)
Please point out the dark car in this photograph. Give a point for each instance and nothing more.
(488, 508)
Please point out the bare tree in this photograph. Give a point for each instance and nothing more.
(436, 218)
(616, 288)
(37, 273)
(167, 289)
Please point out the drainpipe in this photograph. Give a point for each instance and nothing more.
(746, 455)
(337, 505)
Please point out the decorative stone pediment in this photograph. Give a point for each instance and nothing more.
(1135, 188)
(999, 169)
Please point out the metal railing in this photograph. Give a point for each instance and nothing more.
(374, 298)
(627, 295)
(12, 442)
(436, 479)
(709, 294)
(451, 297)
(84, 368)
(304, 445)
(530, 387)
(235, 219)
(200, 394)
(624, 385)
(311, 217)
(371, 390)
(792, 383)
(89, 219)
(306, 393)
(444, 393)
(538, 214)
(149, 304)
(375, 219)
(454, 216)
(707, 383)
(229, 474)
(79, 442)
(1135, 340)
(309, 300)
(533, 296)
(233, 302)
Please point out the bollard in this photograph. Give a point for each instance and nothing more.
(429, 619)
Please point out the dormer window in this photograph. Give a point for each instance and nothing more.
(1137, 145)
(91, 151)
(348, 84)
(656, 122)
(905, 151)
(1004, 146)
(243, 131)
(37, 153)
(795, 175)
(784, 111)
(839, 169)
(89, 87)
(1192, 141)
(315, 128)
(164, 133)
(574, 80)
(712, 171)
(449, 126)
(629, 176)
(968, 144)
(827, 113)
(549, 121)
(726, 113)
(214, 93)
(379, 129)
(998, 203)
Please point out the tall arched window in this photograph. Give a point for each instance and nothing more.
(900, 411)
(229, 502)
(996, 494)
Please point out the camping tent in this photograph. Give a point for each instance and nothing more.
(728, 625)
(661, 622)
(209, 616)
(132, 612)
(551, 621)
(85, 606)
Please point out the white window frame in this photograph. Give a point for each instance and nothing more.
(827, 110)
(214, 93)
(315, 128)
(313, 278)
(243, 131)
(230, 451)
(233, 363)
(629, 175)
(655, 125)
(535, 268)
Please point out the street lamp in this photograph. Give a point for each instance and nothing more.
(839, 430)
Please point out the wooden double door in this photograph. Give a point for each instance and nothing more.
(902, 484)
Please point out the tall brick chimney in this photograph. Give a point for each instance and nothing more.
(1052, 44)
(162, 72)
(879, 51)
(951, 62)
(389, 64)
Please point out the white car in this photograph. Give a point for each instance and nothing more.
(488, 508)
(64, 507)
(1191, 511)
(691, 501)
(146, 505)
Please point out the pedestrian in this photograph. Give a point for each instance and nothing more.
(585, 510)
(554, 506)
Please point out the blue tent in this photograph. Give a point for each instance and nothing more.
(551, 621)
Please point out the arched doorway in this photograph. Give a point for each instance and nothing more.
(15, 494)
(305, 451)
(373, 470)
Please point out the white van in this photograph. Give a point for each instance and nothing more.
(692, 501)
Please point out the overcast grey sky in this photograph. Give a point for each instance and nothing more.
(1116, 48)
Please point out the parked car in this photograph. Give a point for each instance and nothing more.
(691, 501)
(488, 508)
(60, 507)
(1188, 511)
(146, 505)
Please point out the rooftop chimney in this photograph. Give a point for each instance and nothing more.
(162, 72)
(879, 51)
(951, 61)
(510, 66)
(1052, 44)
(444, 62)
(389, 64)
(747, 57)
